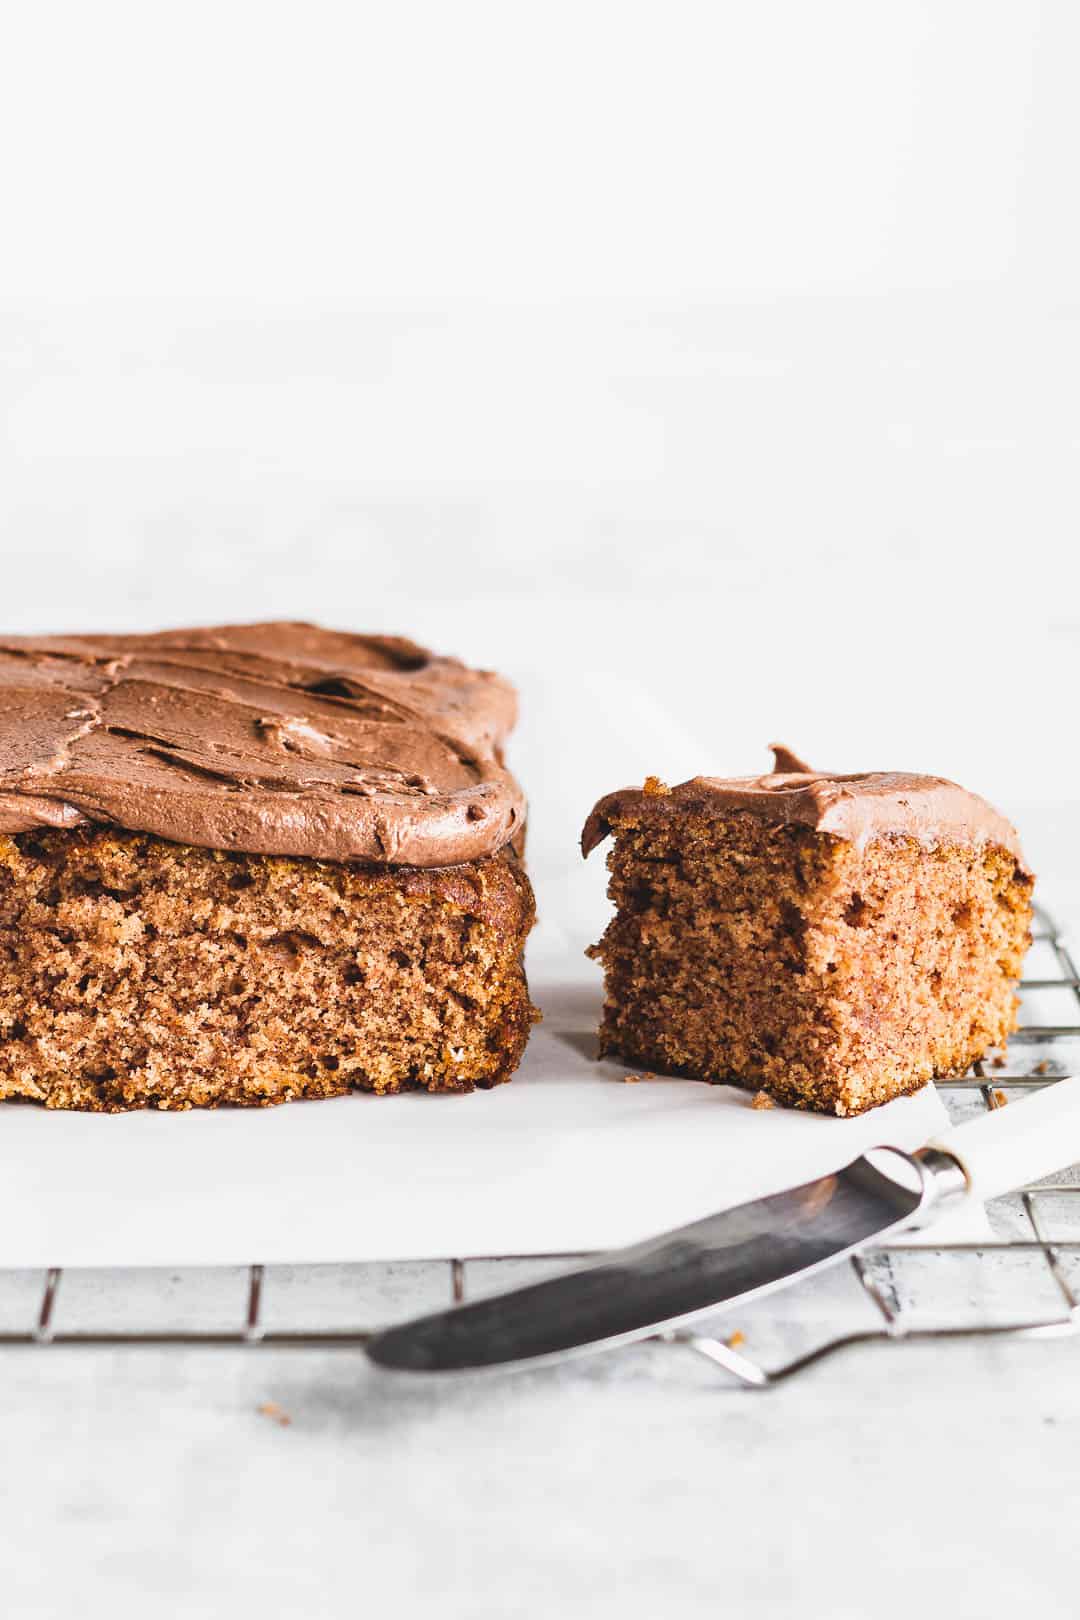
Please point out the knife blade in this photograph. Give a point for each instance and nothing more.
(743, 1252)
(664, 1282)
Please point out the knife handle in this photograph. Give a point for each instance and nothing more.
(1020, 1143)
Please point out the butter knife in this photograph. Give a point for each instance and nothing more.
(745, 1252)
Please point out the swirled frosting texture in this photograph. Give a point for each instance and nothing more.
(273, 739)
(857, 808)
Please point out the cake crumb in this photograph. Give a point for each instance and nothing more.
(999, 1097)
(737, 1340)
(271, 1409)
(654, 787)
(631, 1079)
(997, 1063)
(761, 1099)
(1043, 1067)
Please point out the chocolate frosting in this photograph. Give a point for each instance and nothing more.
(859, 808)
(274, 739)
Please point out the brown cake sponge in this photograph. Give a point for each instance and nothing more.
(245, 863)
(139, 972)
(834, 941)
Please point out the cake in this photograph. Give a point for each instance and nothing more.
(833, 941)
(255, 863)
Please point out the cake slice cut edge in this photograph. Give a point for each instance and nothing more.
(817, 938)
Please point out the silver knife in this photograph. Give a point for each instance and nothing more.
(742, 1253)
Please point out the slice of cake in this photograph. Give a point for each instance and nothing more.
(832, 940)
(253, 863)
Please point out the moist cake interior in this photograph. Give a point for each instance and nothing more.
(134, 971)
(780, 957)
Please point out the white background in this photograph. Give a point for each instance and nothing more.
(710, 369)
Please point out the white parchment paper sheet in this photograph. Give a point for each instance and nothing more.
(567, 1157)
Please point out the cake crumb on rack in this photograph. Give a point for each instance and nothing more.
(737, 1340)
(271, 1409)
(1000, 1099)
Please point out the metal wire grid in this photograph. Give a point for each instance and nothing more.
(897, 1322)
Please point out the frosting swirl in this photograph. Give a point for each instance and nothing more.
(857, 808)
(272, 739)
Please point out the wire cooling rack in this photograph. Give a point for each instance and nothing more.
(1023, 1286)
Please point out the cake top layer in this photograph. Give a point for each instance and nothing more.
(272, 739)
(857, 808)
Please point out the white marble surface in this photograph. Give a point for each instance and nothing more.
(144, 1482)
